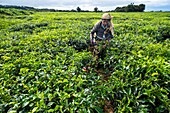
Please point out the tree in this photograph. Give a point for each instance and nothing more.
(73, 10)
(78, 9)
(142, 7)
(131, 8)
(95, 9)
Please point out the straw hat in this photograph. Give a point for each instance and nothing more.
(106, 16)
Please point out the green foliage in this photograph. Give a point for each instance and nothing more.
(12, 12)
(131, 8)
(42, 56)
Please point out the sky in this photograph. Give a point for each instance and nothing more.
(104, 5)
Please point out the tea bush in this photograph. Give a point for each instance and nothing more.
(42, 56)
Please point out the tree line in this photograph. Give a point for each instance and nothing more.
(129, 8)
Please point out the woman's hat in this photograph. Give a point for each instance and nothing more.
(106, 16)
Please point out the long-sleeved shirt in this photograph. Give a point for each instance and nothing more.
(100, 31)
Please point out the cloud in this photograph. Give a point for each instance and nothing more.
(87, 4)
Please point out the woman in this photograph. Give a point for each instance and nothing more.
(102, 30)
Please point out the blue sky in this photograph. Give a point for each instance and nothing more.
(105, 5)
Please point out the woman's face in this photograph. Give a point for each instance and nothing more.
(105, 22)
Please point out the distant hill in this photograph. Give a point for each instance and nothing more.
(36, 9)
(15, 10)
(17, 7)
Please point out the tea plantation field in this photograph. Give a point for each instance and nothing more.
(42, 55)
